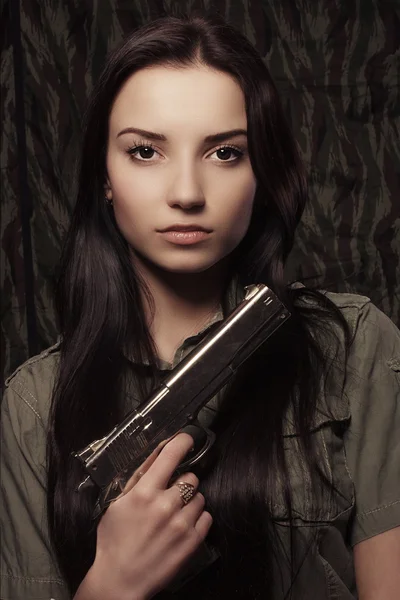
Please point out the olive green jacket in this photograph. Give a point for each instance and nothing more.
(358, 434)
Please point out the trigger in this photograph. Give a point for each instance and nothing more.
(199, 439)
(203, 440)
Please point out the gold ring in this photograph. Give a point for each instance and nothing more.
(186, 491)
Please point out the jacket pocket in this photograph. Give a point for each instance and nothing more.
(324, 493)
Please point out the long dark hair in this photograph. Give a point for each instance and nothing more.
(101, 313)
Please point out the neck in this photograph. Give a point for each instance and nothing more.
(179, 304)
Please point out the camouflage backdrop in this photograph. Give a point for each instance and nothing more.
(336, 63)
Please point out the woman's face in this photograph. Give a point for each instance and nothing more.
(181, 199)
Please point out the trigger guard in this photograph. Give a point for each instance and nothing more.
(203, 438)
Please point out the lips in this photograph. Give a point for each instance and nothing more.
(185, 228)
(185, 235)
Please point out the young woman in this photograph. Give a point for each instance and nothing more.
(191, 187)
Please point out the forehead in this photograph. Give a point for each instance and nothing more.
(166, 98)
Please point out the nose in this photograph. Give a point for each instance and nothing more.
(186, 192)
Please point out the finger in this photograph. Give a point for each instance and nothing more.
(192, 511)
(174, 492)
(162, 469)
(140, 471)
(203, 524)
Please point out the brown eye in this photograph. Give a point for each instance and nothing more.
(145, 152)
(225, 153)
(142, 152)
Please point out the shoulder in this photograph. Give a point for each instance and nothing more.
(366, 322)
(369, 328)
(352, 301)
(43, 363)
(350, 305)
(30, 387)
(372, 331)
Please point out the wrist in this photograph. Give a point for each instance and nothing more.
(95, 586)
(90, 588)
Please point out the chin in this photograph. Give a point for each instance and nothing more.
(187, 269)
(186, 265)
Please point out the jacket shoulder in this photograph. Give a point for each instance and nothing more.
(344, 300)
(33, 381)
(364, 317)
(51, 354)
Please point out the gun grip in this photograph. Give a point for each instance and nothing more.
(203, 440)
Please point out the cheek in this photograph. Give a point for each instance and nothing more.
(130, 194)
(240, 223)
(132, 190)
(132, 211)
(134, 203)
(238, 219)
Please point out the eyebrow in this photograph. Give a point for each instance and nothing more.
(159, 137)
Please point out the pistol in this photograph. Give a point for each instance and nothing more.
(173, 407)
